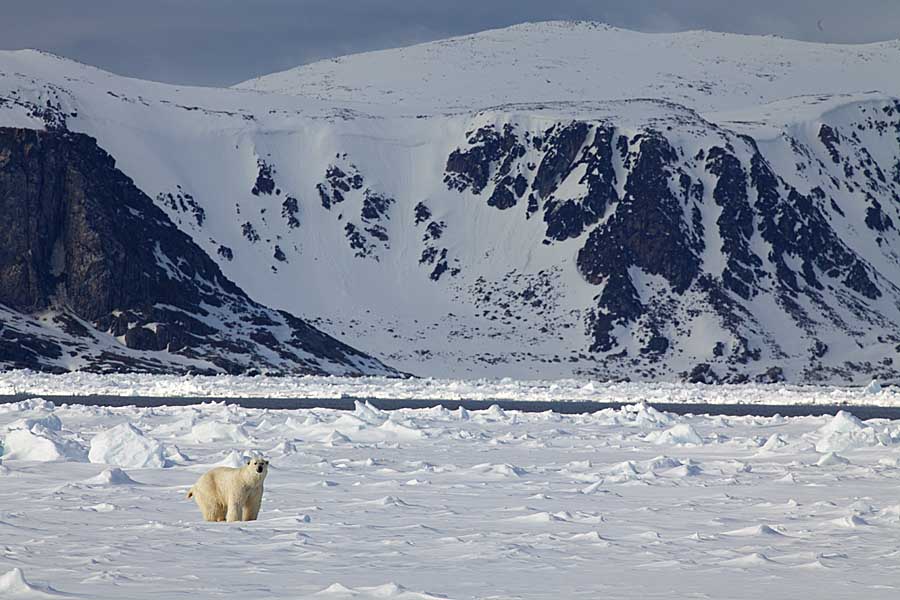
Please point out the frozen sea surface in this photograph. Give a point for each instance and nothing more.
(417, 504)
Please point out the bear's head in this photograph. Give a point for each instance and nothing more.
(258, 466)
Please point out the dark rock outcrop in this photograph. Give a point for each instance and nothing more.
(672, 233)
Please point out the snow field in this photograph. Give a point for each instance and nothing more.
(410, 504)
(557, 60)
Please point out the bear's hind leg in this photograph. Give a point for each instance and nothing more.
(216, 513)
(209, 507)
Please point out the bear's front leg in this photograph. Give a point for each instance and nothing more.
(251, 508)
(234, 510)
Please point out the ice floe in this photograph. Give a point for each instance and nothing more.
(126, 446)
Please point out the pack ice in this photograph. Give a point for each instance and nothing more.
(434, 503)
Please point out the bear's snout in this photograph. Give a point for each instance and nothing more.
(259, 469)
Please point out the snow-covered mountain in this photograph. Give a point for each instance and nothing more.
(582, 61)
(546, 200)
(95, 276)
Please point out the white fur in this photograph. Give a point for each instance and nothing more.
(227, 494)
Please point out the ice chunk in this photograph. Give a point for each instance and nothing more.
(103, 507)
(114, 476)
(594, 488)
(284, 448)
(40, 439)
(14, 585)
(336, 589)
(41, 444)
(843, 432)
(645, 416)
(389, 501)
(755, 559)
(30, 404)
(831, 459)
(787, 478)
(335, 438)
(232, 459)
(541, 517)
(683, 433)
(216, 431)
(126, 446)
(579, 465)
(368, 413)
(175, 455)
(755, 531)
(774, 442)
(504, 469)
(862, 507)
(661, 463)
(684, 471)
(851, 522)
(51, 423)
(387, 590)
(873, 388)
(843, 422)
(400, 432)
(493, 413)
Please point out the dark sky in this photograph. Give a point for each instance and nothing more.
(220, 42)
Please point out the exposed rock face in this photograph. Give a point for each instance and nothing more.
(118, 286)
(689, 219)
(368, 235)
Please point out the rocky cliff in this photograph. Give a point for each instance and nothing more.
(95, 276)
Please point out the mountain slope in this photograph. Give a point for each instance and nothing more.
(585, 61)
(97, 277)
(680, 213)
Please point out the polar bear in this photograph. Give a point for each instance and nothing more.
(226, 494)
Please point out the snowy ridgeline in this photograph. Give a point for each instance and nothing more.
(228, 386)
(421, 504)
(691, 206)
